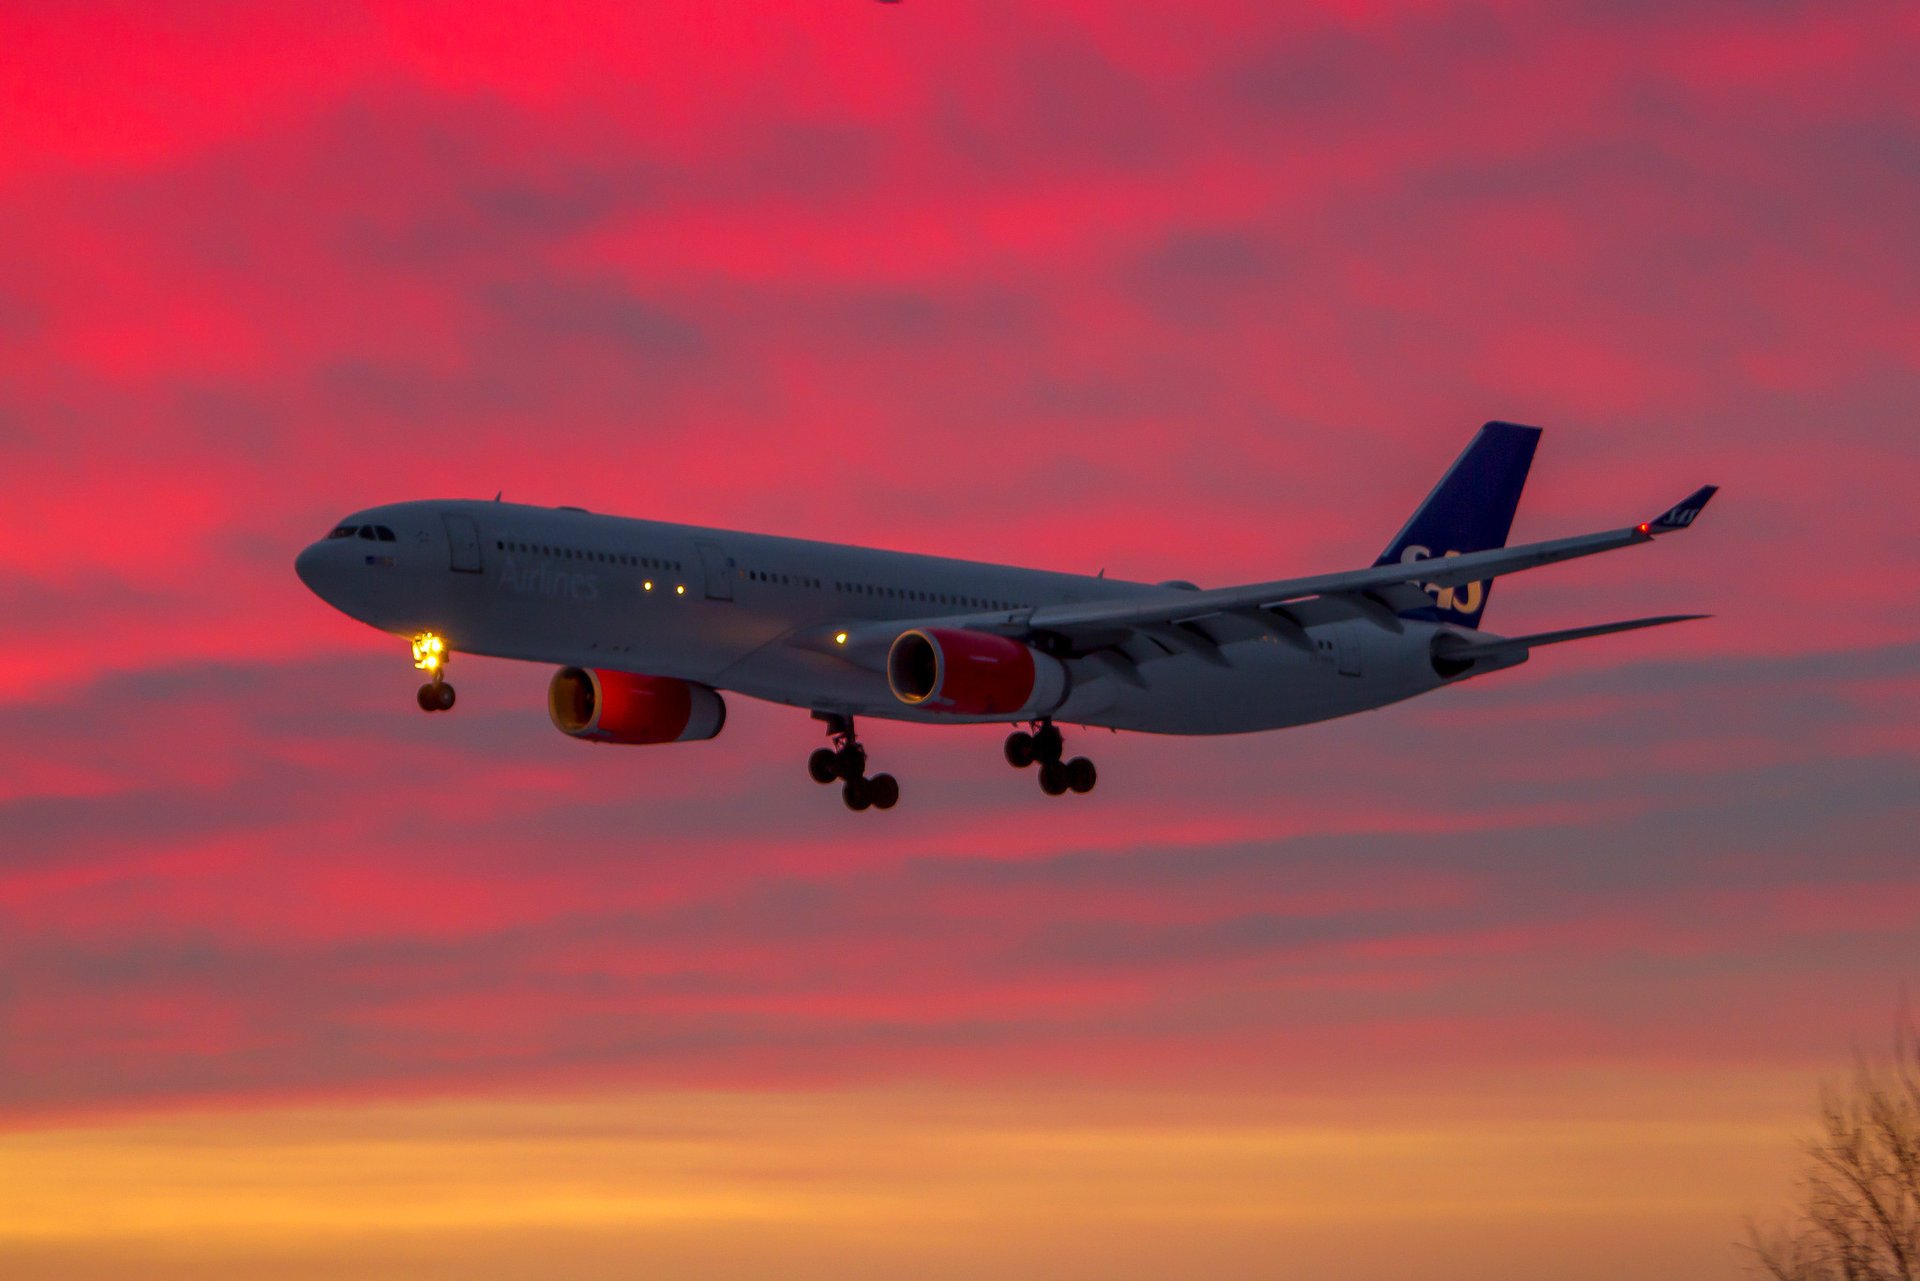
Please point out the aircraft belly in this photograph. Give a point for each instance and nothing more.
(805, 678)
(1263, 685)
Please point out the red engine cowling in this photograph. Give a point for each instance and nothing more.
(973, 674)
(619, 707)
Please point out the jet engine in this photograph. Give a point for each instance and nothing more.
(620, 707)
(973, 674)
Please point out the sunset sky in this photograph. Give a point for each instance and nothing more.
(1533, 978)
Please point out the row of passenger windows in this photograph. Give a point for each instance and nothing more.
(372, 533)
(785, 580)
(869, 589)
(928, 598)
(576, 553)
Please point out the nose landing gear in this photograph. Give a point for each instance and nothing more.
(430, 656)
(1045, 746)
(846, 761)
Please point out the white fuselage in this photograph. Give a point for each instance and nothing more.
(718, 608)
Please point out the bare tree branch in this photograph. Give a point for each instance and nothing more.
(1861, 1215)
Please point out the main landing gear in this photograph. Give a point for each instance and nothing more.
(1045, 746)
(846, 761)
(430, 656)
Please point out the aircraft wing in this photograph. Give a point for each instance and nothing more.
(1378, 594)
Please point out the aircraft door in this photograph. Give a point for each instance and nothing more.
(1346, 649)
(463, 544)
(713, 564)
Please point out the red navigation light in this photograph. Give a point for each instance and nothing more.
(1643, 527)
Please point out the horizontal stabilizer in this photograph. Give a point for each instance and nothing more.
(1506, 644)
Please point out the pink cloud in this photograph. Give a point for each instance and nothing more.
(1214, 298)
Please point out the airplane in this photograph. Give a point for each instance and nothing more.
(649, 623)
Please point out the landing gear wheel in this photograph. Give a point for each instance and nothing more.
(1047, 743)
(1081, 775)
(443, 699)
(846, 760)
(824, 765)
(1053, 778)
(429, 697)
(1019, 749)
(850, 762)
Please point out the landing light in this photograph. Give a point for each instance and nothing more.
(647, 586)
(679, 589)
(429, 651)
(839, 638)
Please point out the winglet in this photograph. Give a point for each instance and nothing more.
(1682, 513)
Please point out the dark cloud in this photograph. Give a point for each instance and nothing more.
(1204, 278)
(594, 310)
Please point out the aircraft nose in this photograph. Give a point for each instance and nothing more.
(311, 564)
(307, 562)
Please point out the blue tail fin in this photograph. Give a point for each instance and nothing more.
(1470, 510)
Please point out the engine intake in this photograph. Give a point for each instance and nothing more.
(973, 674)
(620, 707)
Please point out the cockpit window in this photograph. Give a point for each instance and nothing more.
(366, 532)
(345, 531)
(384, 534)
